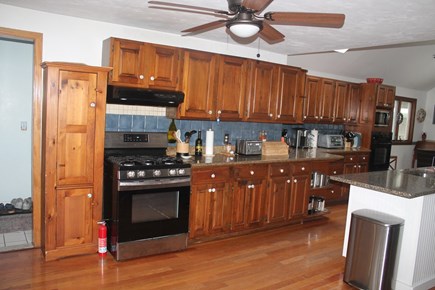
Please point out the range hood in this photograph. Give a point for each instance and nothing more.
(143, 97)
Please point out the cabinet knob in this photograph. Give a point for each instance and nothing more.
(354, 166)
(252, 185)
(317, 117)
(359, 166)
(271, 115)
(89, 195)
(335, 172)
(278, 116)
(332, 191)
(303, 168)
(321, 117)
(219, 112)
(210, 112)
(288, 180)
(141, 77)
(351, 158)
(212, 175)
(364, 158)
(305, 117)
(252, 172)
(152, 78)
(281, 170)
(93, 105)
(295, 180)
(213, 189)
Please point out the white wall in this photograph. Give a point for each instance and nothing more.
(80, 40)
(428, 125)
(16, 71)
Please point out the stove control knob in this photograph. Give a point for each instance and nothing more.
(157, 172)
(131, 174)
(181, 171)
(172, 172)
(141, 173)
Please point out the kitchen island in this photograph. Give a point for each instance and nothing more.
(410, 195)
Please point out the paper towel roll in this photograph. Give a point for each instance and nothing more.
(209, 138)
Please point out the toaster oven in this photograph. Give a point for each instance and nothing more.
(330, 141)
(249, 147)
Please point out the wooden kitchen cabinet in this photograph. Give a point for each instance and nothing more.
(199, 85)
(385, 96)
(300, 189)
(231, 88)
(279, 193)
(341, 101)
(319, 100)
(73, 143)
(354, 164)
(263, 91)
(139, 64)
(210, 202)
(289, 101)
(249, 194)
(353, 104)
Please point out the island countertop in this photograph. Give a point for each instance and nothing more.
(407, 183)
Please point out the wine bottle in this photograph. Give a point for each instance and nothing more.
(198, 145)
(171, 132)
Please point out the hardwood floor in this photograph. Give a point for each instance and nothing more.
(307, 257)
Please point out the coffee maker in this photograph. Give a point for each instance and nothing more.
(299, 138)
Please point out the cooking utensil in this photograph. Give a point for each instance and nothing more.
(177, 136)
(188, 135)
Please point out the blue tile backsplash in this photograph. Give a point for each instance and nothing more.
(236, 130)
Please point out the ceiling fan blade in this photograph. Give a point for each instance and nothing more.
(306, 19)
(270, 34)
(188, 7)
(205, 27)
(257, 5)
(189, 11)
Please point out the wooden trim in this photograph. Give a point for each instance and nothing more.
(36, 38)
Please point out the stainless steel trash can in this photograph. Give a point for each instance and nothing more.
(371, 250)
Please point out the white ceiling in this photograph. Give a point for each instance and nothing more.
(406, 28)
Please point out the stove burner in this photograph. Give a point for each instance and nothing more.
(148, 162)
(129, 163)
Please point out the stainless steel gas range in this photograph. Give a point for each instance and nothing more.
(146, 195)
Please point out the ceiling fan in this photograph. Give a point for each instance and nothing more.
(244, 20)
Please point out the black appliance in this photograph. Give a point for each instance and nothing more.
(146, 195)
(143, 97)
(380, 151)
(382, 118)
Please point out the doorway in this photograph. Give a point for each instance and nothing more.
(29, 124)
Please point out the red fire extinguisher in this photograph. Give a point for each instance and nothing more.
(102, 239)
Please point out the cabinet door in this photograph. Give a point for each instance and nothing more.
(256, 215)
(128, 62)
(231, 89)
(76, 128)
(353, 103)
(220, 209)
(341, 101)
(163, 66)
(390, 97)
(299, 192)
(289, 100)
(327, 100)
(368, 103)
(199, 210)
(262, 96)
(198, 85)
(312, 99)
(279, 199)
(74, 218)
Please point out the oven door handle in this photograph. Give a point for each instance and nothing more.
(153, 184)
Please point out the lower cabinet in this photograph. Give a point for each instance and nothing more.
(300, 185)
(279, 193)
(249, 195)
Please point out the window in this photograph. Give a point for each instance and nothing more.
(403, 120)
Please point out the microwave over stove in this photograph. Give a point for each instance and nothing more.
(382, 118)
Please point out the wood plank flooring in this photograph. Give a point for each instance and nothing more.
(307, 257)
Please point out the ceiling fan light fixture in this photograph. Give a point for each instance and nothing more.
(244, 30)
(344, 50)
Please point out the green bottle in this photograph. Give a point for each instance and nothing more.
(171, 132)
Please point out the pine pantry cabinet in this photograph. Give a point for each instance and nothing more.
(73, 144)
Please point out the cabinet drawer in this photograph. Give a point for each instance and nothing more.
(351, 158)
(214, 174)
(251, 171)
(300, 168)
(280, 169)
(336, 168)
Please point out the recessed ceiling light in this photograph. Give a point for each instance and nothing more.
(344, 50)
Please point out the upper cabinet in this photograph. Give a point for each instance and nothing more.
(231, 87)
(319, 100)
(262, 95)
(289, 102)
(199, 84)
(346, 102)
(139, 64)
(353, 103)
(385, 96)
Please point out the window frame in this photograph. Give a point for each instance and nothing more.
(413, 102)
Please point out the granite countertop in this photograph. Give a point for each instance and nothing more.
(407, 183)
(294, 156)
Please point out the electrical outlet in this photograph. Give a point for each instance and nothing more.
(23, 126)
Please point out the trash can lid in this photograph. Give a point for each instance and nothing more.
(378, 217)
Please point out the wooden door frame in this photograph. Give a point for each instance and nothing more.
(36, 39)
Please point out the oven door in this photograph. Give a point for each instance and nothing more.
(150, 213)
(380, 157)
